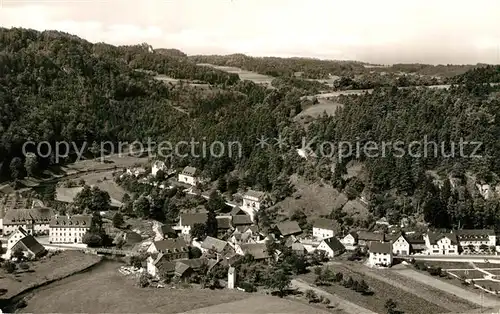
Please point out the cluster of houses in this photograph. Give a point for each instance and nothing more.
(21, 226)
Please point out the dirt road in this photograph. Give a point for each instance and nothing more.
(344, 305)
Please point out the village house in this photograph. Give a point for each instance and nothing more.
(245, 234)
(241, 220)
(325, 228)
(157, 166)
(479, 240)
(34, 220)
(288, 228)
(138, 171)
(253, 201)
(215, 246)
(350, 241)
(441, 243)
(167, 232)
(365, 237)
(184, 268)
(298, 248)
(400, 245)
(310, 244)
(16, 236)
(380, 254)
(24, 241)
(331, 246)
(187, 221)
(189, 175)
(69, 229)
(257, 250)
(171, 249)
(224, 225)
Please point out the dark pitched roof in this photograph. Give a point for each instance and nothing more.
(190, 171)
(257, 250)
(473, 234)
(379, 247)
(328, 224)
(371, 236)
(239, 220)
(237, 211)
(354, 235)
(334, 244)
(254, 194)
(434, 237)
(75, 221)
(40, 215)
(167, 229)
(192, 219)
(288, 228)
(223, 222)
(214, 243)
(31, 244)
(171, 245)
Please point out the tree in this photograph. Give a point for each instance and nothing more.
(31, 164)
(311, 296)
(92, 239)
(199, 231)
(222, 184)
(142, 206)
(194, 252)
(92, 199)
(390, 306)
(362, 287)
(216, 202)
(16, 168)
(212, 224)
(232, 184)
(118, 220)
(18, 254)
(9, 267)
(278, 279)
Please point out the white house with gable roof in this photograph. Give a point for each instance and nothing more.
(189, 175)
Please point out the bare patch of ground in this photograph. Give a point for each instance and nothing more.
(260, 305)
(104, 290)
(315, 199)
(470, 296)
(47, 269)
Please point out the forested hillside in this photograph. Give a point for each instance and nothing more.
(58, 87)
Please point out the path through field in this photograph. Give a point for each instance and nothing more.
(485, 300)
(343, 304)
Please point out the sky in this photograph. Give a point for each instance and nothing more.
(377, 31)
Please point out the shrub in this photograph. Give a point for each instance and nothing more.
(311, 296)
(24, 266)
(9, 267)
(326, 301)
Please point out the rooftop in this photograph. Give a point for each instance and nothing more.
(254, 194)
(214, 243)
(76, 221)
(190, 171)
(329, 224)
(379, 247)
(289, 227)
(192, 219)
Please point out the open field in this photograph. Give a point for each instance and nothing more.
(259, 304)
(407, 302)
(494, 271)
(314, 198)
(468, 274)
(47, 269)
(324, 106)
(104, 290)
(103, 180)
(243, 74)
(489, 285)
(435, 296)
(451, 287)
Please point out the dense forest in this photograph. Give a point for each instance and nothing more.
(57, 87)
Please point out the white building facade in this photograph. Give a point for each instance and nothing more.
(69, 229)
(401, 246)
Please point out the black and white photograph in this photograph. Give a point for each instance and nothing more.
(250, 156)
